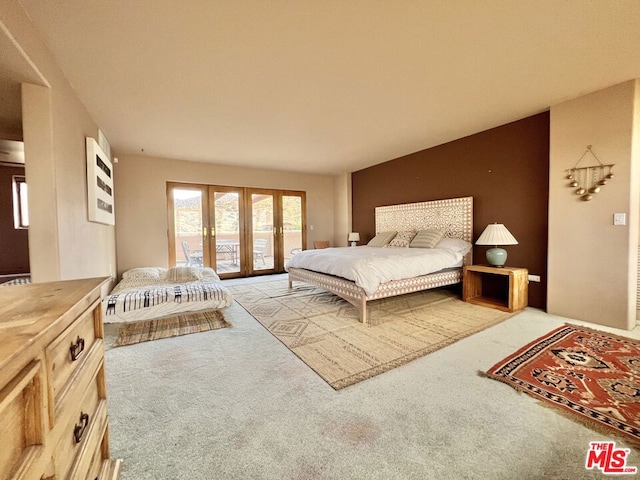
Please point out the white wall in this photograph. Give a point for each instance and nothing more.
(635, 193)
(342, 210)
(63, 243)
(141, 201)
(44, 245)
(592, 264)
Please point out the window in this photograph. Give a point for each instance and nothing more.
(20, 202)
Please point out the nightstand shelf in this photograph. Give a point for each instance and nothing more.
(514, 294)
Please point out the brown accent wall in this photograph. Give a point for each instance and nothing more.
(505, 169)
(14, 243)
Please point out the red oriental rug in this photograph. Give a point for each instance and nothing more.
(592, 374)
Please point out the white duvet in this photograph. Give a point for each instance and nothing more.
(369, 267)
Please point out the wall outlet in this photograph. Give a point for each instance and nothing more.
(534, 278)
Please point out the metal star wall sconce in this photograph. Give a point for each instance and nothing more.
(587, 181)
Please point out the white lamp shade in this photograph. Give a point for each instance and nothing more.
(496, 234)
(354, 237)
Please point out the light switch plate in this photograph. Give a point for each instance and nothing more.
(619, 218)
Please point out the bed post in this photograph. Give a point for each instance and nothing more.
(363, 309)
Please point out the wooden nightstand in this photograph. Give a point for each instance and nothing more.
(515, 285)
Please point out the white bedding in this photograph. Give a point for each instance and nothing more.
(369, 267)
(150, 293)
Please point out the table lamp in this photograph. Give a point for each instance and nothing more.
(353, 238)
(496, 234)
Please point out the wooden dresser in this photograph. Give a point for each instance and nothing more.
(53, 408)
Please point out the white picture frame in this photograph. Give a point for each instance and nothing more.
(104, 144)
(100, 199)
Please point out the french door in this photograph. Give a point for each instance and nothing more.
(238, 231)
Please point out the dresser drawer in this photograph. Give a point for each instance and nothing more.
(67, 354)
(89, 460)
(101, 467)
(95, 469)
(80, 418)
(21, 423)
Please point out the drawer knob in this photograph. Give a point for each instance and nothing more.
(78, 431)
(76, 348)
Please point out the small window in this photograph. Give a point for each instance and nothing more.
(20, 202)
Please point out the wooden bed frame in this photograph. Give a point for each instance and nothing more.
(454, 216)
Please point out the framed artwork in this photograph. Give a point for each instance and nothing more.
(99, 185)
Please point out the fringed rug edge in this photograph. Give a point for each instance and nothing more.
(148, 330)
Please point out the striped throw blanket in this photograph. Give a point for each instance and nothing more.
(159, 300)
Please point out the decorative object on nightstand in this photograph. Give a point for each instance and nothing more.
(354, 237)
(496, 234)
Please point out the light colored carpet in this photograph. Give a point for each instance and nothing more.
(324, 332)
(147, 330)
(235, 404)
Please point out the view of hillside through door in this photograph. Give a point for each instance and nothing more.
(238, 231)
(227, 235)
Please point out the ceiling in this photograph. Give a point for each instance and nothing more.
(328, 86)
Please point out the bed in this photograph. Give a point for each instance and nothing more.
(17, 279)
(453, 217)
(149, 293)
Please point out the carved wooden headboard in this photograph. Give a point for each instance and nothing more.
(453, 215)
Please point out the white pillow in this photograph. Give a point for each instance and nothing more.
(208, 274)
(141, 277)
(457, 244)
(184, 274)
(152, 274)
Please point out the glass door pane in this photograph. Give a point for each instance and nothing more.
(227, 233)
(188, 226)
(292, 225)
(262, 233)
(236, 230)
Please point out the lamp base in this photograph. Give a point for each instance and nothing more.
(496, 257)
(353, 244)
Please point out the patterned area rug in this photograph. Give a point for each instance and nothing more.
(146, 330)
(592, 374)
(324, 331)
